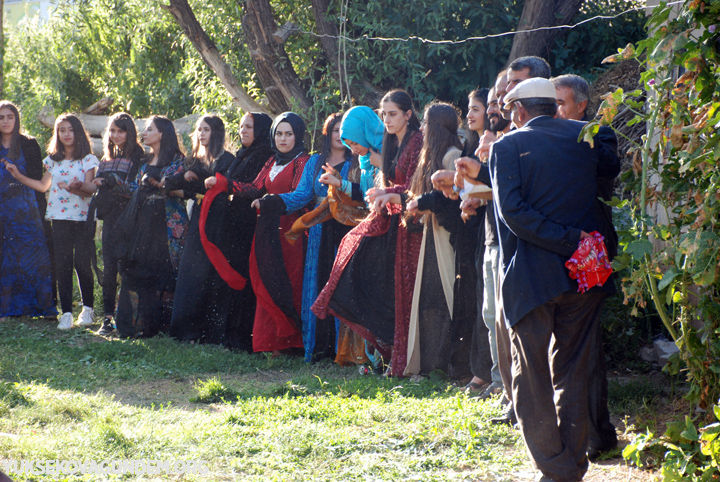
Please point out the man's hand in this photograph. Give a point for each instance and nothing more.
(468, 167)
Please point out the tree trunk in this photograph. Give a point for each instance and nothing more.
(541, 13)
(273, 67)
(181, 10)
(329, 43)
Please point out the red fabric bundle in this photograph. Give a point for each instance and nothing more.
(590, 265)
(234, 279)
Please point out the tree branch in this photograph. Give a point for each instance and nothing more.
(181, 10)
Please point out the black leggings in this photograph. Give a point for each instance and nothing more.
(110, 265)
(72, 247)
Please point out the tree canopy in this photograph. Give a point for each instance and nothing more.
(137, 53)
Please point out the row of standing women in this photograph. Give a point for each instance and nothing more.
(276, 250)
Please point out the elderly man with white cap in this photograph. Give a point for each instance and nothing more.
(544, 192)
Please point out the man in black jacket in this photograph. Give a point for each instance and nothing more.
(573, 93)
(544, 193)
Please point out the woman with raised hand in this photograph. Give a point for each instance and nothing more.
(70, 169)
(276, 265)
(444, 303)
(371, 285)
(25, 267)
(116, 182)
(151, 234)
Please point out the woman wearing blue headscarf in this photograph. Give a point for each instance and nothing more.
(362, 131)
(371, 284)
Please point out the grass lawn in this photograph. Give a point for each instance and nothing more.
(77, 396)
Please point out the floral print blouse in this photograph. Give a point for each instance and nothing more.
(62, 204)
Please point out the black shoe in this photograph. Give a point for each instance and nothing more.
(107, 327)
(507, 418)
(594, 453)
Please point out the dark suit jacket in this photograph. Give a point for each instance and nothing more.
(545, 190)
(608, 170)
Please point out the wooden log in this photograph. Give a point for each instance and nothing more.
(95, 125)
(284, 32)
(96, 144)
(100, 107)
(46, 117)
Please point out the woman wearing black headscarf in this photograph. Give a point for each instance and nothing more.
(276, 266)
(211, 304)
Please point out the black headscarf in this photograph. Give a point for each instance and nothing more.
(251, 158)
(261, 141)
(298, 127)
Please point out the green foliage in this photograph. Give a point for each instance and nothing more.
(689, 453)
(673, 255)
(428, 71)
(89, 50)
(580, 50)
(135, 52)
(630, 396)
(672, 247)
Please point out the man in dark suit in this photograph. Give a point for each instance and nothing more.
(544, 185)
(573, 93)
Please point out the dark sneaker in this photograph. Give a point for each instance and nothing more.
(107, 327)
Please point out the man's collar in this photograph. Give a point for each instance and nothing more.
(537, 117)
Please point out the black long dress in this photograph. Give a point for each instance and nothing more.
(446, 344)
(206, 309)
(150, 234)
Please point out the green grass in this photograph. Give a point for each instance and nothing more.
(74, 395)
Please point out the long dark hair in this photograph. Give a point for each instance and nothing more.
(472, 138)
(215, 147)
(441, 133)
(169, 145)
(328, 126)
(132, 149)
(81, 142)
(390, 144)
(14, 147)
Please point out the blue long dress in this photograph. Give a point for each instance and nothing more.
(319, 336)
(25, 279)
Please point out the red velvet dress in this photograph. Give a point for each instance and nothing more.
(276, 327)
(407, 250)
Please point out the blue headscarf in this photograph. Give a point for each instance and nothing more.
(362, 125)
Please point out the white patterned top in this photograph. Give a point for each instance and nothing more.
(62, 204)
